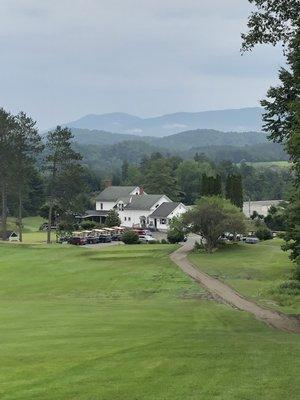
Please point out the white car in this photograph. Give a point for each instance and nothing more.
(146, 239)
(252, 240)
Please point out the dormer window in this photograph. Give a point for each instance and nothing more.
(121, 206)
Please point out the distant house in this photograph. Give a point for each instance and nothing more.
(261, 207)
(162, 216)
(135, 207)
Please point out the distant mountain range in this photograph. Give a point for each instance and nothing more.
(237, 120)
(178, 142)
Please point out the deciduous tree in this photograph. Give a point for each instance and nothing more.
(211, 217)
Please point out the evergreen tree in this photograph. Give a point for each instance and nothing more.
(234, 190)
(27, 145)
(125, 167)
(159, 178)
(7, 125)
(279, 22)
(211, 186)
(112, 219)
(62, 165)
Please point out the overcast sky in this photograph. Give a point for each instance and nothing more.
(62, 59)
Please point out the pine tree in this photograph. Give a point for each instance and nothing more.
(274, 22)
(7, 125)
(125, 167)
(62, 165)
(27, 145)
(112, 219)
(211, 186)
(234, 189)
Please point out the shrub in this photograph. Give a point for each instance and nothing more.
(296, 273)
(175, 236)
(87, 225)
(291, 287)
(130, 237)
(112, 219)
(164, 241)
(264, 233)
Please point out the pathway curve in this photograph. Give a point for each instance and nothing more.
(230, 296)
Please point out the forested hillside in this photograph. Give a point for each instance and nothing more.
(244, 119)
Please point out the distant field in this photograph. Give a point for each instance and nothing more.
(124, 323)
(31, 229)
(254, 270)
(267, 164)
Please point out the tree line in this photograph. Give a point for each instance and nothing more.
(43, 170)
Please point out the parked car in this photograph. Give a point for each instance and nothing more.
(116, 237)
(92, 239)
(146, 239)
(104, 239)
(77, 241)
(252, 240)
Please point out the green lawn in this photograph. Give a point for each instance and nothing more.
(31, 229)
(268, 164)
(124, 323)
(254, 270)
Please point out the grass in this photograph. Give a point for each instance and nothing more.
(124, 323)
(31, 233)
(268, 164)
(254, 270)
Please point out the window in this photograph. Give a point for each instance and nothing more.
(101, 206)
(125, 219)
(129, 219)
(163, 221)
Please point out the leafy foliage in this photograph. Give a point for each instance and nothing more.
(263, 233)
(112, 219)
(130, 237)
(211, 217)
(176, 230)
(277, 21)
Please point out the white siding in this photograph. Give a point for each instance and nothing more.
(107, 205)
(179, 210)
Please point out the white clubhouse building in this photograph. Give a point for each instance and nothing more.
(136, 208)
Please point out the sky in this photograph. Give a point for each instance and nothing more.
(63, 59)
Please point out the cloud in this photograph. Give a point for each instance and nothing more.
(67, 58)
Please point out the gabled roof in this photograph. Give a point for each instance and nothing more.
(164, 210)
(114, 193)
(143, 202)
(94, 213)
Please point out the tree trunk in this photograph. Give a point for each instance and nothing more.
(20, 216)
(4, 212)
(49, 222)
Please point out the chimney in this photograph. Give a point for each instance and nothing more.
(107, 183)
(141, 190)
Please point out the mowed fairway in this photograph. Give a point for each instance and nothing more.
(124, 323)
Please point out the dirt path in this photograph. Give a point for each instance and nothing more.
(230, 296)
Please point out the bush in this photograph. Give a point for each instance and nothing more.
(291, 287)
(296, 274)
(164, 241)
(264, 233)
(130, 237)
(175, 236)
(198, 246)
(87, 225)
